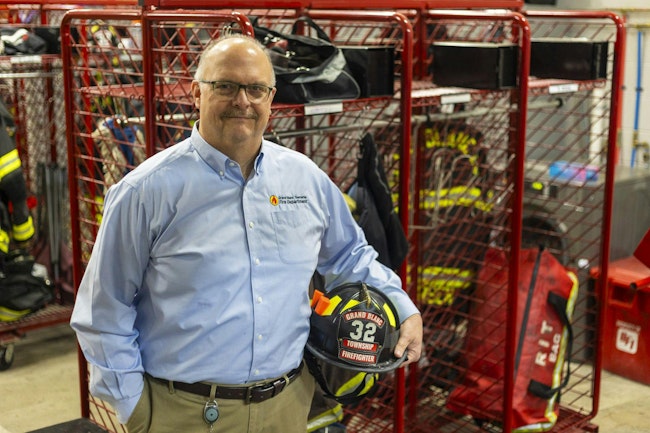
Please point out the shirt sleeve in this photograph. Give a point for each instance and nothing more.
(346, 256)
(104, 313)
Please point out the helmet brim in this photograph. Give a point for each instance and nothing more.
(382, 367)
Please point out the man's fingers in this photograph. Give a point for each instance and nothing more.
(410, 339)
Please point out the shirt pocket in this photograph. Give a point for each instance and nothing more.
(296, 236)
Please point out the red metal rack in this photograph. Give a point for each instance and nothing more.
(523, 129)
(150, 92)
(32, 90)
(339, 4)
(449, 240)
(522, 132)
(587, 134)
(163, 47)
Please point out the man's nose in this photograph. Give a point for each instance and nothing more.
(241, 97)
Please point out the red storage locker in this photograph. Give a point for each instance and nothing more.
(626, 335)
(642, 251)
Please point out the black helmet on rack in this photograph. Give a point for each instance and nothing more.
(355, 327)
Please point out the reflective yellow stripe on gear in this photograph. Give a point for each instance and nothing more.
(326, 418)
(367, 379)
(438, 285)
(9, 315)
(9, 163)
(352, 203)
(24, 231)
(364, 381)
(456, 196)
(4, 241)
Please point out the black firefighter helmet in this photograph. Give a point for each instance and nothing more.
(355, 327)
(353, 334)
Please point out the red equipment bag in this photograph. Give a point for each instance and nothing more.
(546, 299)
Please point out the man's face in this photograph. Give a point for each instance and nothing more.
(228, 122)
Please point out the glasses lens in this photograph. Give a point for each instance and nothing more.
(256, 93)
(224, 88)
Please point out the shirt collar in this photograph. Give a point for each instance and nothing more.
(216, 159)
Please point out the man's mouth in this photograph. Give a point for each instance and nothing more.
(238, 116)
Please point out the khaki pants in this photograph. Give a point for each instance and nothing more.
(160, 410)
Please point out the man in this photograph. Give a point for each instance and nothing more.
(196, 292)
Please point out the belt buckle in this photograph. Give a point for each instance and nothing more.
(249, 394)
(275, 387)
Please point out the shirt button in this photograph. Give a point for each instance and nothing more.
(257, 261)
(259, 337)
(251, 224)
(232, 164)
(256, 372)
(259, 299)
(220, 172)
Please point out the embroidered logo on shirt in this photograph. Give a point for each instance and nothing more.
(287, 199)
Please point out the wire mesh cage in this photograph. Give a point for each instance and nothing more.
(465, 136)
(31, 89)
(571, 153)
(481, 152)
(481, 185)
(115, 120)
(107, 115)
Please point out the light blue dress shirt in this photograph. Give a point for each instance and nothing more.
(200, 275)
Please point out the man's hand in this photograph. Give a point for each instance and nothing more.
(410, 339)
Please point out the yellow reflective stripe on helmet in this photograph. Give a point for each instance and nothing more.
(24, 231)
(351, 303)
(336, 300)
(9, 163)
(390, 316)
(4, 241)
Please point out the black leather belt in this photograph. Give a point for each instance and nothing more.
(254, 393)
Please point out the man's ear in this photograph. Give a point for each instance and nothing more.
(196, 93)
(273, 92)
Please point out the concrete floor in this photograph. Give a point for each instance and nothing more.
(41, 388)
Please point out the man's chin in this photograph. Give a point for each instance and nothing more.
(240, 134)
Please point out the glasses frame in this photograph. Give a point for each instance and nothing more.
(240, 86)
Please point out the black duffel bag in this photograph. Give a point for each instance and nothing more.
(307, 69)
(22, 289)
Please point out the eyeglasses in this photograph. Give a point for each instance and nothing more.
(255, 93)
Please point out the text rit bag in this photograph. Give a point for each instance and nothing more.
(546, 299)
(307, 69)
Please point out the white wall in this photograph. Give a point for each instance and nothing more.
(602, 4)
(636, 23)
(637, 17)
